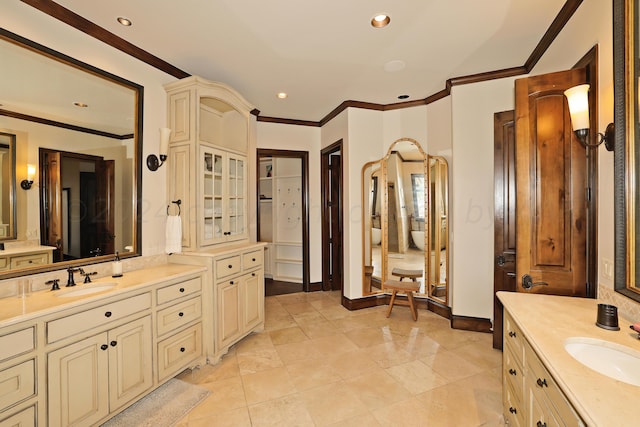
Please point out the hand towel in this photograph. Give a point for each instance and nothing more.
(173, 234)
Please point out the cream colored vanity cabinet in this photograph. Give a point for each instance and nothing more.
(25, 257)
(90, 378)
(179, 326)
(18, 373)
(211, 145)
(530, 395)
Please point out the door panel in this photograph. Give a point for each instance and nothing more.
(505, 214)
(53, 210)
(551, 187)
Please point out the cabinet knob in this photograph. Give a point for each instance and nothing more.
(181, 289)
(113, 343)
(182, 349)
(181, 314)
(512, 371)
(104, 347)
(230, 266)
(512, 334)
(253, 274)
(231, 282)
(107, 314)
(542, 382)
(541, 424)
(513, 410)
(253, 259)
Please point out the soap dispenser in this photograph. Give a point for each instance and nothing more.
(117, 266)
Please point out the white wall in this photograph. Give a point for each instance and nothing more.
(28, 22)
(301, 138)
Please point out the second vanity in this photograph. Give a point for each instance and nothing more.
(543, 385)
(72, 357)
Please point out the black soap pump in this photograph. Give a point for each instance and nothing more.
(117, 266)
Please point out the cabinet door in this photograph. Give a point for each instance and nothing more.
(212, 204)
(236, 225)
(253, 300)
(228, 312)
(130, 367)
(78, 382)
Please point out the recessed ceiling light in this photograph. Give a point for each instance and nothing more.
(381, 20)
(282, 95)
(403, 96)
(124, 21)
(80, 104)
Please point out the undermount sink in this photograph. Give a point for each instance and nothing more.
(613, 360)
(85, 289)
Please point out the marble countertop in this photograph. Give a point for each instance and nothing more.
(23, 249)
(17, 309)
(225, 249)
(547, 321)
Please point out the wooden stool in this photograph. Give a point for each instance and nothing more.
(409, 274)
(406, 287)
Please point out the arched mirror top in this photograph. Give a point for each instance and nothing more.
(408, 148)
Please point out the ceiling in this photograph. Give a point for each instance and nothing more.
(324, 53)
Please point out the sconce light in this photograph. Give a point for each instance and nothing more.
(26, 183)
(152, 161)
(578, 99)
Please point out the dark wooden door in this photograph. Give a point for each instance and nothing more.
(105, 180)
(504, 277)
(52, 221)
(335, 163)
(551, 188)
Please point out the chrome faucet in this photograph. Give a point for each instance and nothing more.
(70, 280)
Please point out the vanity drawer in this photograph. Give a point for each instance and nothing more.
(4, 263)
(95, 317)
(513, 337)
(227, 266)
(29, 260)
(17, 383)
(175, 353)
(24, 418)
(179, 315)
(252, 259)
(513, 408)
(17, 343)
(539, 378)
(512, 371)
(178, 290)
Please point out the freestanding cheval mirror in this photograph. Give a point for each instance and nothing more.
(405, 221)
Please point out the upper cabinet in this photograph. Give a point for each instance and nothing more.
(212, 142)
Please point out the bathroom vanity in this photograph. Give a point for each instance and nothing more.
(544, 385)
(75, 356)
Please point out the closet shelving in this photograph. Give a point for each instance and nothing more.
(280, 193)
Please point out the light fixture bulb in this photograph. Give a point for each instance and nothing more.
(578, 99)
(380, 20)
(124, 21)
(31, 172)
(282, 95)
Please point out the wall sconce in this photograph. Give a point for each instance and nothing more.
(578, 99)
(152, 161)
(25, 184)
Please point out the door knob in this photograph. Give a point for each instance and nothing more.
(528, 283)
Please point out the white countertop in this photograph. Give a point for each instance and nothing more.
(224, 249)
(17, 309)
(547, 321)
(24, 249)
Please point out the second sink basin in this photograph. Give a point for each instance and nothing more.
(613, 360)
(85, 289)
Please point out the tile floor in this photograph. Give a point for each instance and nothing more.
(319, 364)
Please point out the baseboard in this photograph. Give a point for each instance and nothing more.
(314, 287)
(383, 299)
(475, 324)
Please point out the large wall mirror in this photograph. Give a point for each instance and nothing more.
(80, 128)
(405, 220)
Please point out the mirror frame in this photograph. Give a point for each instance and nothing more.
(138, 91)
(366, 231)
(12, 190)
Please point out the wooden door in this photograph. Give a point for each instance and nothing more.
(551, 188)
(105, 179)
(335, 172)
(52, 221)
(504, 270)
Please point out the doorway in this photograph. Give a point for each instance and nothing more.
(283, 219)
(332, 217)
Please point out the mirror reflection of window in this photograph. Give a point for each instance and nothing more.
(417, 186)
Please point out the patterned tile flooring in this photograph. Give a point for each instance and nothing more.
(319, 364)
